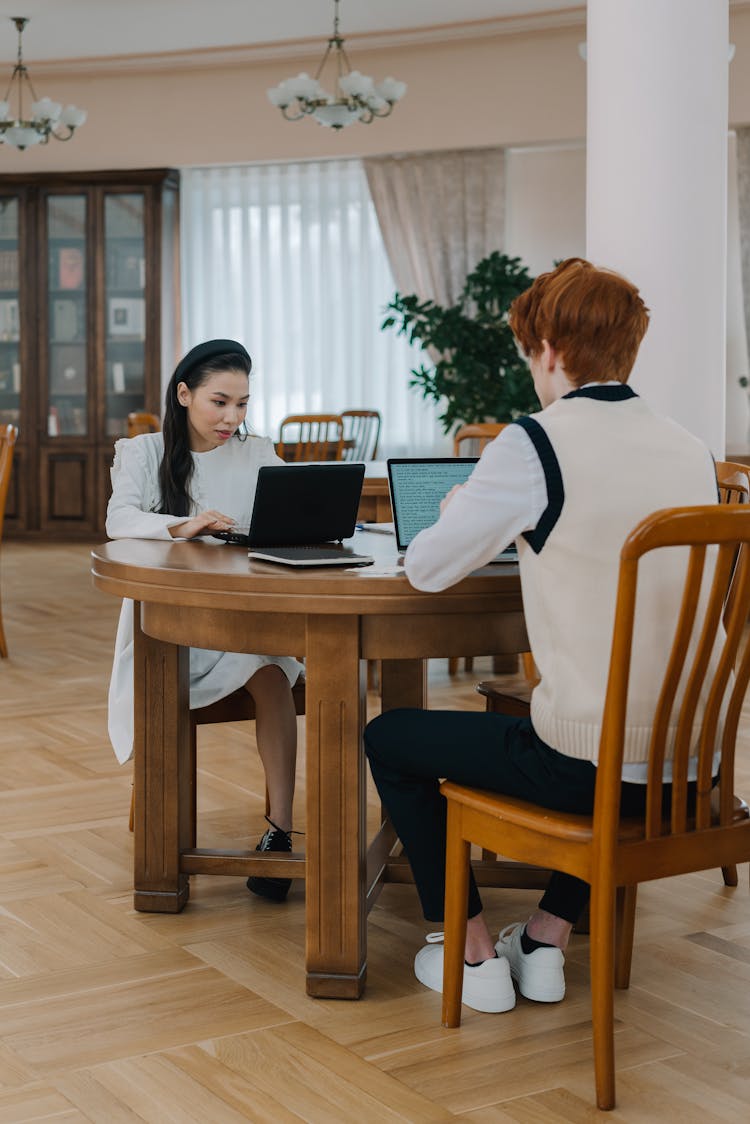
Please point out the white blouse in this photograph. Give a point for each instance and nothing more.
(223, 479)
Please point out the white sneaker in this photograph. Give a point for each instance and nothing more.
(486, 987)
(539, 974)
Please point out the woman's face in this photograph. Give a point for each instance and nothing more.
(215, 409)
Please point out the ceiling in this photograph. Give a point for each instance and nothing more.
(74, 29)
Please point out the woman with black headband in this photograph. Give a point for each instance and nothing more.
(194, 478)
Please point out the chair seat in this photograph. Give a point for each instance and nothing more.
(558, 825)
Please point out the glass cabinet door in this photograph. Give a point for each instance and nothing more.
(67, 412)
(125, 308)
(10, 330)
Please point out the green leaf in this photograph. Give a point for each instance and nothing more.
(478, 375)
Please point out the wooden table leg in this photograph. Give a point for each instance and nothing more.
(162, 783)
(336, 810)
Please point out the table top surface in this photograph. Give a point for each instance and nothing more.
(213, 572)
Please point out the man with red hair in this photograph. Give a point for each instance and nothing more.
(568, 484)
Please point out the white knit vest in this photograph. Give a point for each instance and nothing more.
(609, 461)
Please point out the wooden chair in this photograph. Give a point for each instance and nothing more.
(361, 434)
(237, 707)
(613, 855)
(733, 481)
(142, 422)
(470, 440)
(311, 437)
(8, 435)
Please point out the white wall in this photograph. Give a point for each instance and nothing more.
(545, 216)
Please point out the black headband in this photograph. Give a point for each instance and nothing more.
(209, 350)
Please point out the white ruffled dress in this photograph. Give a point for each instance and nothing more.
(223, 479)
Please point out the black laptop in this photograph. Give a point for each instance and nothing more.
(417, 485)
(301, 513)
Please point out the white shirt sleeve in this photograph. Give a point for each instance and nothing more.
(134, 492)
(505, 495)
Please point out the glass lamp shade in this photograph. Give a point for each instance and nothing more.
(279, 97)
(303, 87)
(336, 116)
(72, 116)
(355, 84)
(45, 110)
(391, 89)
(21, 136)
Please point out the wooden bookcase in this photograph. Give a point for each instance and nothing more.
(88, 319)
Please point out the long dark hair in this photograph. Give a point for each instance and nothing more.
(176, 468)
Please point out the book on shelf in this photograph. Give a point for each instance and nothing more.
(65, 314)
(127, 317)
(70, 267)
(8, 270)
(10, 325)
(8, 217)
(125, 270)
(68, 368)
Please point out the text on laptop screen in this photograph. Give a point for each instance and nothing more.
(417, 487)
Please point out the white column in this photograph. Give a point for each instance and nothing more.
(656, 186)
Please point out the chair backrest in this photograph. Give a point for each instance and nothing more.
(733, 480)
(474, 437)
(142, 422)
(361, 434)
(705, 679)
(8, 435)
(311, 437)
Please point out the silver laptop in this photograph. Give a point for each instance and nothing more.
(417, 485)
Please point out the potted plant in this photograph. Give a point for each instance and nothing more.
(478, 374)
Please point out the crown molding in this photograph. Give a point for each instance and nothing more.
(212, 57)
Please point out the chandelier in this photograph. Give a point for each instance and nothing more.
(355, 97)
(47, 119)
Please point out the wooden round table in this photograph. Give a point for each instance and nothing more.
(210, 595)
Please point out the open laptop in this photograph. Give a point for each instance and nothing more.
(301, 513)
(417, 485)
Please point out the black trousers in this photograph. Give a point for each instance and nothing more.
(411, 751)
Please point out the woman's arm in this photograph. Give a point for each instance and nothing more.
(135, 491)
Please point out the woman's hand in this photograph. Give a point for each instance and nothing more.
(204, 524)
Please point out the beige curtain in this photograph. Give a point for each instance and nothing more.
(743, 201)
(439, 213)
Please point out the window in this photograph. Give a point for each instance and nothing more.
(288, 259)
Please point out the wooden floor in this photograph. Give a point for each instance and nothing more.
(108, 1015)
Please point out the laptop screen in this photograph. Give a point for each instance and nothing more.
(417, 486)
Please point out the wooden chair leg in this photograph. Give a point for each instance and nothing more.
(373, 675)
(452, 665)
(624, 932)
(131, 817)
(3, 642)
(529, 669)
(457, 855)
(193, 783)
(729, 873)
(602, 992)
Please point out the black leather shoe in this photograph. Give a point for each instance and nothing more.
(274, 888)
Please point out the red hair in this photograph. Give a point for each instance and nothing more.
(594, 317)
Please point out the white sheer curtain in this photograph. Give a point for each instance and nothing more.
(289, 259)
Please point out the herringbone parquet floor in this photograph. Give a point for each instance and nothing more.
(112, 1016)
